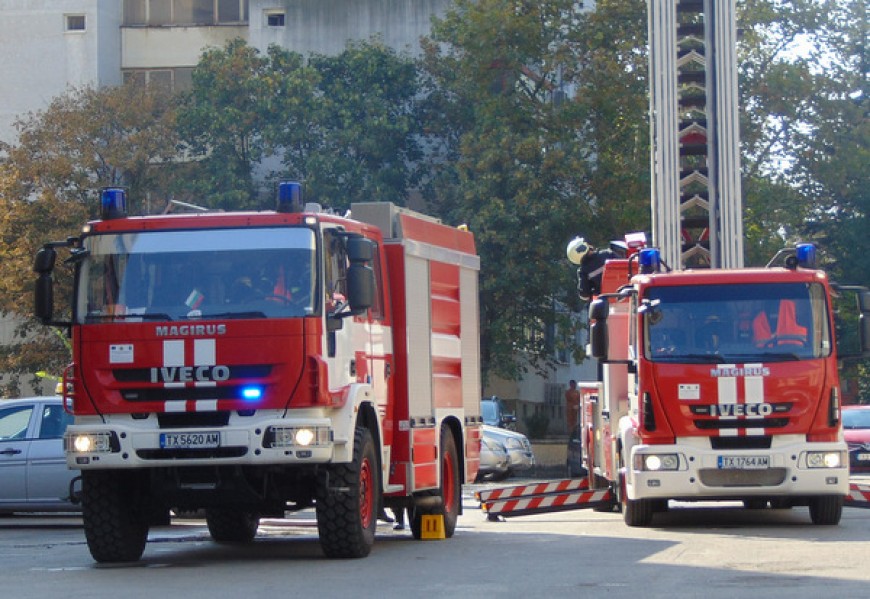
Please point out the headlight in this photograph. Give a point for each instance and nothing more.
(657, 461)
(89, 443)
(825, 459)
(512, 443)
(298, 436)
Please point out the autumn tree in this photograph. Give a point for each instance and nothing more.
(50, 182)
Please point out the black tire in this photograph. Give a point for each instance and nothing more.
(826, 510)
(115, 520)
(347, 507)
(637, 512)
(231, 526)
(450, 490)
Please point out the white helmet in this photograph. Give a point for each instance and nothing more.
(577, 249)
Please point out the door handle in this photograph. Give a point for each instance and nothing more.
(10, 451)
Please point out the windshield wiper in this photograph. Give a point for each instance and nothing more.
(698, 358)
(145, 316)
(248, 314)
(781, 357)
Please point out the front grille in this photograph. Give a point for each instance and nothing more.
(192, 419)
(768, 477)
(740, 442)
(143, 375)
(192, 454)
(710, 425)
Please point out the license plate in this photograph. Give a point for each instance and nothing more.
(194, 440)
(746, 462)
(863, 457)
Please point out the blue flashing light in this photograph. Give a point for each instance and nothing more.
(650, 260)
(806, 255)
(289, 196)
(113, 203)
(252, 393)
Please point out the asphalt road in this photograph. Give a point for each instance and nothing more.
(697, 550)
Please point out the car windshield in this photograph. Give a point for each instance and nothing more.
(489, 412)
(178, 275)
(853, 419)
(735, 323)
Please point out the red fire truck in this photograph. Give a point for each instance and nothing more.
(721, 384)
(253, 364)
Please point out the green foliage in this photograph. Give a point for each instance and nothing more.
(537, 425)
(539, 111)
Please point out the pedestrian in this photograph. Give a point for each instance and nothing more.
(572, 404)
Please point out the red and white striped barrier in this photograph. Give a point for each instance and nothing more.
(859, 496)
(541, 498)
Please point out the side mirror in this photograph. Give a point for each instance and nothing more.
(44, 261)
(852, 321)
(43, 304)
(359, 249)
(598, 310)
(360, 288)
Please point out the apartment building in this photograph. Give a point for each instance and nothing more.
(51, 45)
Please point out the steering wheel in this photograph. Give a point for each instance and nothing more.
(775, 340)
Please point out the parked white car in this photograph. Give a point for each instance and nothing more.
(517, 445)
(494, 460)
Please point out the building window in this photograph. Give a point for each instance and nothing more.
(75, 22)
(275, 19)
(176, 80)
(155, 13)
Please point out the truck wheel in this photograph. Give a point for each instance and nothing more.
(115, 521)
(450, 491)
(231, 526)
(637, 512)
(826, 510)
(347, 506)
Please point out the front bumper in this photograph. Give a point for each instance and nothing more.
(260, 441)
(703, 473)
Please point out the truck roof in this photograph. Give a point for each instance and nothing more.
(731, 276)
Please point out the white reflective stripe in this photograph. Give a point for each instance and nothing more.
(446, 346)
(173, 352)
(205, 405)
(754, 386)
(175, 406)
(727, 389)
(205, 384)
(175, 385)
(204, 352)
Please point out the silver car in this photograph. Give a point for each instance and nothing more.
(494, 460)
(517, 445)
(33, 473)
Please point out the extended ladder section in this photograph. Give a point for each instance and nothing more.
(696, 197)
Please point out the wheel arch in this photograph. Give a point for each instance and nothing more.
(452, 424)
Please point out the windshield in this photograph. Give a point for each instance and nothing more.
(853, 419)
(215, 273)
(736, 323)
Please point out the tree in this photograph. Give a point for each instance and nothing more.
(49, 187)
(534, 150)
(356, 142)
(239, 98)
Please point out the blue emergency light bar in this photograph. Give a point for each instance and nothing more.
(650, 260)
(113, 203)
(806, 255)
(289, 196)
